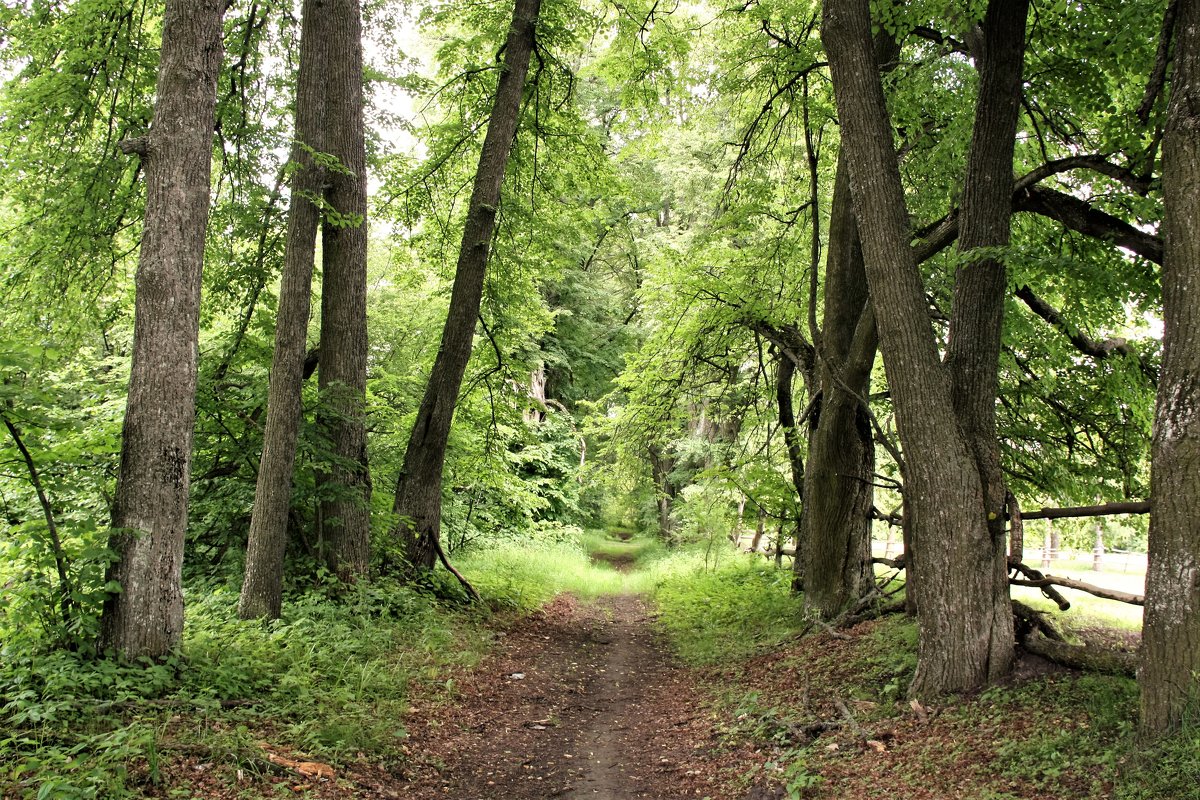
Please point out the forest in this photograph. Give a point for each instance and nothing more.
(600, 398)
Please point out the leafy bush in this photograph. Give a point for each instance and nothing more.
(331, 676)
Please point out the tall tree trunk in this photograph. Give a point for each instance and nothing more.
(980, 291)
(262, 588)
(346, 509)
(150, 509)
(838, 491)
(418, 502)
(1170, 673)
(961, 646)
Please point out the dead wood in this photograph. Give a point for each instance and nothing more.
(1036, 578)
(1092, 659)
(1029, 621)
(1102, 510)
(1045, 582)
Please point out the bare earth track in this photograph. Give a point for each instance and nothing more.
(578, 701)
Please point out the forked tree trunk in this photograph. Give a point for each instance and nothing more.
(418, 503)
(1170, 674)
(961, 645)
(346, 511)
(262, 588)
(150, 509)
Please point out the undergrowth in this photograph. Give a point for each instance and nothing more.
(329, 679)
(731, 610)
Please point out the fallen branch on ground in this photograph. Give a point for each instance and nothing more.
(1030, 621)
(1093, 659)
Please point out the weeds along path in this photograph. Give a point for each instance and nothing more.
(579, 701)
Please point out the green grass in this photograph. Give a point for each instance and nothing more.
(330, 679)
(732, 609)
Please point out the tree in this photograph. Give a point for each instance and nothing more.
(965, 642)
(418, 499)
(345, 516)
(262, 586)
(1170, 674)
(150, 510)
(838, 481)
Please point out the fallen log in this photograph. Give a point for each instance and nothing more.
(1093, 659)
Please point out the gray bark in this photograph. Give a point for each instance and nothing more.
(346, 513)
(980, 290)
(838, 492)
(962, 645)
(150, 508)
(1170, 672)
(262, 588)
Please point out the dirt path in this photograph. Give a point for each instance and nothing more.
(580, 701)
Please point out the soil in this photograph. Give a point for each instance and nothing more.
(582, 701)
(579, 701)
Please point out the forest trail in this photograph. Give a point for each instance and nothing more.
(579, 701)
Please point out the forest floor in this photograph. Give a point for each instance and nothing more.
(584, 700)
(578, 701)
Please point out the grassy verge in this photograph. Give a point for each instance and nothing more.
(714, 611)
(1056, 734)
(329, 680)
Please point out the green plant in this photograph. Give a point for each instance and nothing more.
(735, 610)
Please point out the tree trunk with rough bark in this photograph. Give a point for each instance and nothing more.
(962, 644)
(262, 587)
(980, 291)
(418, 502)
(150, 508)
(346, 487)
(1170, 673)
(838, 492)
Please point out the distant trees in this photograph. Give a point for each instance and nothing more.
(150, 510)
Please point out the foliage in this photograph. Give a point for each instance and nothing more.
(720, 610)
(330, 678)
